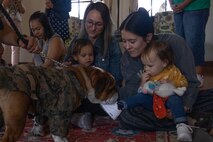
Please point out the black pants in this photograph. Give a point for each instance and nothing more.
(87, 106)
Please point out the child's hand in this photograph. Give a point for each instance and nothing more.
(144, 78)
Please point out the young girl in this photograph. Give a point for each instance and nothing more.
(159, 66)
(82, 52)
(51, 44)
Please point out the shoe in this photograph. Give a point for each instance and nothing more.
(184, 132)
(201, 79)
(59, 139)
(82, 120)
(37, 129)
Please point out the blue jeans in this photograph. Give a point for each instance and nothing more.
(191, 26)
(174, 103)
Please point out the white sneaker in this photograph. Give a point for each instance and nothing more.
(201, 79)
(59, 139)
(184, 132)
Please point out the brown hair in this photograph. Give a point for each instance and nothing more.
(162, 49)
(78, 45)
(105, 15)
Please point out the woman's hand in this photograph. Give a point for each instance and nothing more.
(178, 8)
(31, 46)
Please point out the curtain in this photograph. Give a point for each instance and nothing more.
(118, 9)
(131, 5)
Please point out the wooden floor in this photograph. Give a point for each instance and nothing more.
(208, 76)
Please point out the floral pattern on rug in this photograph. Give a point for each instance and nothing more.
(104, 130)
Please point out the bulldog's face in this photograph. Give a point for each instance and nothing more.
(104, 86)
(101, 87)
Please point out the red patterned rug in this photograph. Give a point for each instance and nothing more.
(104, 130)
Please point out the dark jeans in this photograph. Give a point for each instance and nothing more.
(191, 26)
(174, 103)
(87, 106)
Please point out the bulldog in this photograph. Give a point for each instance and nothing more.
(58, 92)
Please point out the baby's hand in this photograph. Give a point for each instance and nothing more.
(144, 78)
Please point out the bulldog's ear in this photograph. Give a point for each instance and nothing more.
(104, 87)
(100, 86)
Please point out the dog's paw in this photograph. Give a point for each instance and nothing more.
(37, 130)
(59, 139)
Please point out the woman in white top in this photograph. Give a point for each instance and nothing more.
(51, 44)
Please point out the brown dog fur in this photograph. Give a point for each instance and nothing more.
(15, 104)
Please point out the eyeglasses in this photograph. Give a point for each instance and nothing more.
(90, 23)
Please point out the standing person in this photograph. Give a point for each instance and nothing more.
(15, 8)
(82, 52)
(159, 67)
(134, 41)
(97, 27)
(190, 18)
(52, 44)
(58, 13)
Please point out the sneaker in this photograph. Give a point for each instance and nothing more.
(184, 132)
(59, 139)
(201, 79)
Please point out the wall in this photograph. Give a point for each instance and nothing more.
(31, 6)
(209, 36)
(34, 5)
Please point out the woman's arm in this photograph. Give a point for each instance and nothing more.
(178, 7)
(56, 50)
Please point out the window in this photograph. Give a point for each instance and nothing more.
(154, 6)
(79, 7)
